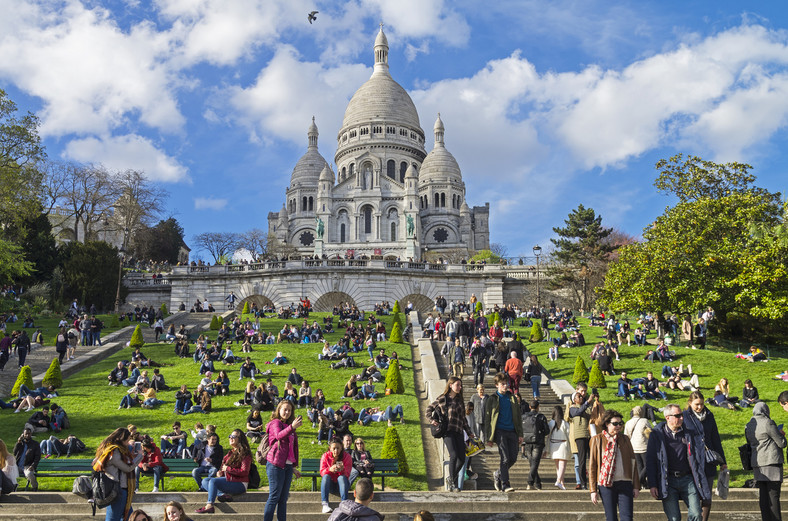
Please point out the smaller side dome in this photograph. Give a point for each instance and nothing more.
(411, 173)
(440, 165)
(327, 174)
(283, 212)
(438, 124)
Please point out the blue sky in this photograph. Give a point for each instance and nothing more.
(547, 104)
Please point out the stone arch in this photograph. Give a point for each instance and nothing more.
(421, 303)
(261, 301)
(327, 301)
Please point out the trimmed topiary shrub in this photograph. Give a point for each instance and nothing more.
(396, 333)
(114, 321)
(25, 378)
(396, 309)
(246, 310)
(214, 323)
(53, 375)
(392, 449)
(136, 338)
(595, 377)
(163, 309)
(221, 321)
(479, 307)
(581, 371)
(493, 318)
(394, 379)
(536, 333)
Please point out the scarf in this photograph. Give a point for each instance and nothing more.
(702, 415)
(608, 464)
(101, 464)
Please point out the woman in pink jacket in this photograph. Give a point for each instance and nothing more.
(335, 467)
(282, 459)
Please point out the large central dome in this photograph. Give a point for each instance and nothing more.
(381, 98)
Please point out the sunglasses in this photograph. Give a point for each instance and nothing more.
(675, 416)
(232, 436)
(617, 424)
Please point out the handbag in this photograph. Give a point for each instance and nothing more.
(712, 456)
(105, 489)
(439, 431)
(723, 480)
(745, 454)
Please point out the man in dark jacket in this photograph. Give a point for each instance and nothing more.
(358, 510)
(27, 453)
(208, 459)
(39, 421)
(503, 425)
(675, 466)
(534, 442)
(118, 374)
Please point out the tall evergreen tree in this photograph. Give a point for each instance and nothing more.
(581, 254)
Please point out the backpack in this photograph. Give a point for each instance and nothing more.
(254, 476)
(534, 428)
(263, 449)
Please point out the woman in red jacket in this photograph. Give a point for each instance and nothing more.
(335, 467)
(233, 477)
(282, 459)
(152, 462)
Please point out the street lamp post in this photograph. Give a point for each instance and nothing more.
(537, 253)
(122, 257)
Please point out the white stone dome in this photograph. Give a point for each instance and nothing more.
(439, 165)
(381, 98)
(307, 170)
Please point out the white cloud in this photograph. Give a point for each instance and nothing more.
(422, 19)
(90, 75)
(209, 203)
(288, 92)
(127, 152)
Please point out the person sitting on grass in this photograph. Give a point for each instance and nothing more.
(39, 421)
(183, 400)
(158, 382)
(290, 393)
(325, 427)
(263, 399)
(174, 443)
(247, 370)
(132, 397)
(152, 463)
(626, 388)
(206, 366)
(227, 357)
(255, 427)
(54, 447)
(118, 374)
(335, 468)
(208, 458)
(382, 361)
(367, 391)
(208, 384)
(650, 388)
(374, 414)
(749, 395)
(222, 383)
(202, 401)
(150, 399)
(279, 359)
(295, 378)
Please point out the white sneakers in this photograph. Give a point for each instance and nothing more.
(155, 489)
(327, 509)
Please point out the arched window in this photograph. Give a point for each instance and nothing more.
(367, 219)
(437, 200)
(311, 203)
(344, 171)
(303, 204)
(342, 232)
(403, 167)
(443, 200)
(350, 172)
(393, 231)
(391, 169)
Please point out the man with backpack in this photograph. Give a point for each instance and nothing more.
(503, 425)
(479, 356)
(535, 429)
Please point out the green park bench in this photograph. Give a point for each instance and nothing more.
(310, 468)
(75, 467)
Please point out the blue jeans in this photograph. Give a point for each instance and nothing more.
(128, 401)
(183, 404)
(115, 509)
(535, 381)
(682, 488)
(279, 481)
(201, 471)
(327, 486)
(153, 402)
(216, 485)
(624, 392)
(157, 471)
(4, 405)
(617, 496)
(96, 338)
(167, 445)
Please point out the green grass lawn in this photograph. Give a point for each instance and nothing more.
(92, 405)
(710, 364)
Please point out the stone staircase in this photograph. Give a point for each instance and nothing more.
(741, 505)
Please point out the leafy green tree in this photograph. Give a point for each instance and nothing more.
(392, 449)
(486, 255)
(581, 255)
(34, 236)
(479, 307)
(595, 376)
(25, 377)
(161, 242)
(53, 375)
(163, 309)
(394, 379)
(136, 338)
(90, 271)
(581, 371)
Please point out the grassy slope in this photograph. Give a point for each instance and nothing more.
(710, 365)
(93, 406)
